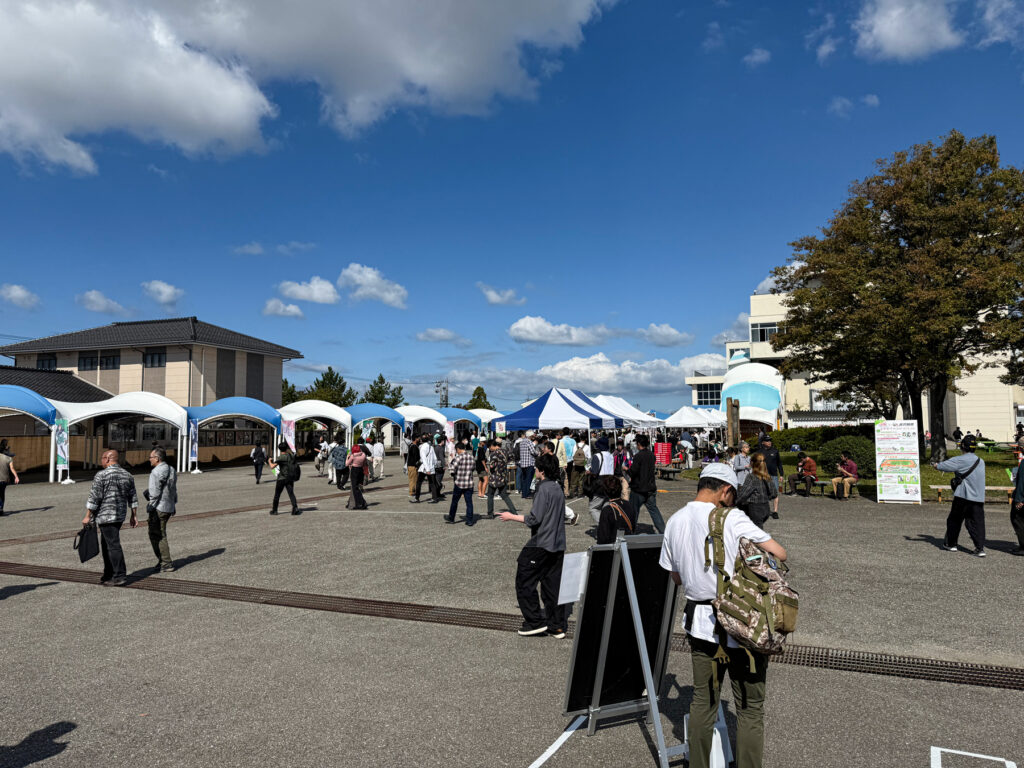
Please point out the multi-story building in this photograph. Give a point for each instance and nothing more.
(188, 361)
(985, 404)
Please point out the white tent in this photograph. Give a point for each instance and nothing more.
(630, 415)
(412, 413)
(559, 408)
(689, 417)
(316, 409)
(486, 415)
(715, 418)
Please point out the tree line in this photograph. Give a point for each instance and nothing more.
(331, 387)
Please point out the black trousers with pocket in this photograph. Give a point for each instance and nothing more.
(285, 485)
(538, 566)
(110, 548)
(973, 514)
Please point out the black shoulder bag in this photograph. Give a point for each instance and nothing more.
(957, 479)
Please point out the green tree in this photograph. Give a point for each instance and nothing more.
(289, 394)
(381, 391)
(914, 281)
(479, 400)
(330, 386)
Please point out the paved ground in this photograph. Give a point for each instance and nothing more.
(131, 677)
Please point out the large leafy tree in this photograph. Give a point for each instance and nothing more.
(330, 386)
(383, 392)
(914, 281)
(479, 400)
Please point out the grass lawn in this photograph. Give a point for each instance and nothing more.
(996, 464)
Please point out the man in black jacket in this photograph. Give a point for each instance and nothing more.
(773, 463)
(642, 486)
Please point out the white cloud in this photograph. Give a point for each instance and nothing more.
(367, 283)
(713, 39)
(83, 68)
(826, 48)
(95, 301)
(300, 365)
(757, 57)
(821, 39)
(1002, 21)
(316, 290)
(277, 308)
(506, 298)
(738, 331)
(441, 335)
(188, 72)
(537, 330)
(599, 374)
(905, 29)
(665, 335)
(293, 247)
(164, 294)
(249, 249)
(156, 170)
(19, 296)
(766, 285)
(871, 100)
(840, 106)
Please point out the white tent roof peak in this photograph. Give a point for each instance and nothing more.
(421, 413)
(139, 403)
(316, 409)
(632, 416)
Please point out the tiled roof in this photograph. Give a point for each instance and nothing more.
(53, 385)
(151, 333)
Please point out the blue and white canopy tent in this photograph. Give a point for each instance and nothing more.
(559, 408)
(23, 401)
(319, 410)
(459, 414)
(486, 416)
(374, 411)
(242, 408)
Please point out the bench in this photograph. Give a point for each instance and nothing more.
(823, 484)
(666, 472)
(1008, 488)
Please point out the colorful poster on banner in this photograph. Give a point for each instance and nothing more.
(897, 462)
(663, 453)
(449, 429)
(60, 429)
(288, 432)
(499, 428)
(193, 440)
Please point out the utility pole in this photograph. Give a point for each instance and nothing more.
(441, 388)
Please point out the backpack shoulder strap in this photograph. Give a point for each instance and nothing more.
(622, 514)
(716, 531)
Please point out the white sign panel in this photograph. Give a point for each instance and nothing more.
(897, 462)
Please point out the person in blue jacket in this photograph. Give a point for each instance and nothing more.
(968, 498)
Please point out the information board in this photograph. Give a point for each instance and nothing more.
(897, 462)
(663, 453)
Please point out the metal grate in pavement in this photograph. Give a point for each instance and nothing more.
(911, 667)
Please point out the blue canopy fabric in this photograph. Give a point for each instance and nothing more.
(458, 414)
(244, 407)
(659, 415)
(560, 408)
(364, 411)
(15, 398)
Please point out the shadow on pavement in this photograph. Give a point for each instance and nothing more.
(17, 589)
(37, 746)
(935, 541)
(179, 563)
(23, 511)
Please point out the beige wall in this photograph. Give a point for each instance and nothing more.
(766, 307)
(272, 374)
(987, 404)
(176, 375)
(131, 371)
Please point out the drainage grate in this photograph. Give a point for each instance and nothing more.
(911, 667)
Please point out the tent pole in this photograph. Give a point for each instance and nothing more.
(53, 450)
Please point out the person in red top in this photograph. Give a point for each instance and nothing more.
(847, 477)
(806, 473)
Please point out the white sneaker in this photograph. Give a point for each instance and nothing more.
(949, 549)
(979, 553)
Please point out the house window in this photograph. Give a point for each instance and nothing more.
(87, 361)
(155, 357)
(110, 362)
(46, 362)
(763, 331)
(709, 394)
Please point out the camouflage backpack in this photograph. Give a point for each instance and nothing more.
(756, 607)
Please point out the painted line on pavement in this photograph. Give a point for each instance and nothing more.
(937, 753)
(559, 742)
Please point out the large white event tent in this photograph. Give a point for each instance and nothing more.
(559, 408)
(689, 417)
(317, 409)
(633, 417)
(486, 416)
(414, 413)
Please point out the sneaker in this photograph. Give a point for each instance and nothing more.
(557, 633)
(120, 581)
(449, 520)
(414, 501)
(168, 569)
(1017, 551)
(471, 523)
(274, 512)
(528, 630)
(978, 553)
(950, 549)
(296, 511)
(575, 519)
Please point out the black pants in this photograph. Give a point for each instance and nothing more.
(435, 494)
(537, 565)
(259, 471)
(3, 495)
(285, 485)
(355, 496)
(341, 477)
(110, 547)
(971, 512)
(467, 494)
(502, 491)
(1016, 520)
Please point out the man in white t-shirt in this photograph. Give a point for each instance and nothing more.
(378, 459)
(682, 553)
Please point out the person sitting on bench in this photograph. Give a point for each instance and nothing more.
(806, 473)
(847, 477)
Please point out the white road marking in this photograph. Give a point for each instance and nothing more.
(559, 742)
(937, 757)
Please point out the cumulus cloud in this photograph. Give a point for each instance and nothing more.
(295, 246)
(905, 30)
(766, 285)
(537, 330)
(505, 298)
(870, 100)
(164, 294)
(840, 106)
(738, 331)
(757, 57)
(442, 335)
(95, 301)
(665, 335)
(19, 296)
(317, 290)
(367, 283)
(249, 249)
(277, 308)
(598, 373)
(188, 73)
(713, 38)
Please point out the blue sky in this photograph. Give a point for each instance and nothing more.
(513, 195)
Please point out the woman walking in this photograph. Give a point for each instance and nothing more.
(287, 467)
(355, 465)
(259, 459)
(8, 475)
(757, 492)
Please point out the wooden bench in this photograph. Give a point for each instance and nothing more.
(666, 472)
(945, 488)
(823, 484)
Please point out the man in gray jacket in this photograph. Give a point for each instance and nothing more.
(968, 498)
(161, 498)
(112, 493)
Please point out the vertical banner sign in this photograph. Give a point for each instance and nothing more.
(193, 440)
(288, 432)
(663, 453)
(897, 462)
(449, 429)
(61, 438)
(499, 428)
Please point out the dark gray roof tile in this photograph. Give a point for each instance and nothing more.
(53, 385)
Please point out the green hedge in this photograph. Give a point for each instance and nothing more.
(813, 438)
(861, 450)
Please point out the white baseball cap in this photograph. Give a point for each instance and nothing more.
(721, 472)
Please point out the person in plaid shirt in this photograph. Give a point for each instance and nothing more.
(462, 471)
(527, 460)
